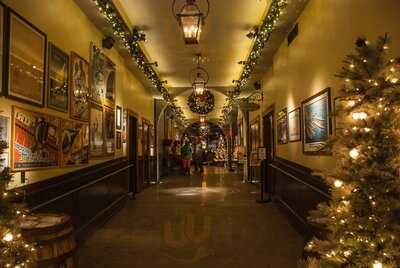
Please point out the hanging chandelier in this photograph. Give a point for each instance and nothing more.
(190, 19)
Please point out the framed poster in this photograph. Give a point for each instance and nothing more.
(74, 143)
(255, 134)
(282, 127)
(294, 125)
(316, 122)
(119, 140)
(118, 118)
(4, 129)
(103, 73)
(96, 131)
(79, 88)
(4, 161)
(109, 128)
(35, 140)
(26, 61)
(57, 89)
(124, 125)
(339, 119)
(2, 18)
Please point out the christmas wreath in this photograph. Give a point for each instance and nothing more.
(201, 104)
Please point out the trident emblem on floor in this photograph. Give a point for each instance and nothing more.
(187, 235)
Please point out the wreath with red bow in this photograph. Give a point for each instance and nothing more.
(201, 104)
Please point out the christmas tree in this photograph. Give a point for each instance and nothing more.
(14, 251)
(362, 218)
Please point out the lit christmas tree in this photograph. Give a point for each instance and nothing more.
(14, 251)
(363, 217)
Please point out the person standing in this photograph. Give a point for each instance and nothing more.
(186, 154)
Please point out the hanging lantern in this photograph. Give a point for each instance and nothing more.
(190, 19)
(199, 78)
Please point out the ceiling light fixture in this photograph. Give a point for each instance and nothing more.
(190, 19)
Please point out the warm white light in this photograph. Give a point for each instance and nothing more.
(394, 80)
(359, 116)
(351, 103)
(377, 264)
(8, 237)
(354, 153)
(338, 183)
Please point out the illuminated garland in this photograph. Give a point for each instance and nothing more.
(261, 37)
(131, 40)
(201, 104)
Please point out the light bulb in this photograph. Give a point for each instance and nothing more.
(354, 153)
(359, 115)
(338, 183)
(377, 264)
(351, 103)
(8, 237)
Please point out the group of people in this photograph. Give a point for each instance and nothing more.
(189, 156)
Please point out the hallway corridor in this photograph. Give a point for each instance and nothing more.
(209, 220)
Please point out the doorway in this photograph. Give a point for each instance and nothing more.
(132, 153)
(269, 144)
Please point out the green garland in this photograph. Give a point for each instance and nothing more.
(201, 104)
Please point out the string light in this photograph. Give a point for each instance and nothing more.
(377, 264)
(8, 237)
(354, 153)
(359, 116)
(338, 183)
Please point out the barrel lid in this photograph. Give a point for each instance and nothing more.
(44, 220)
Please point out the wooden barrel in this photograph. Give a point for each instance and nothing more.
(53, 235)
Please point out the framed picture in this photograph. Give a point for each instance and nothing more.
(282, 127)
(57, 89)
(340, 121)
(119, 140)
(255, 138)
(79, 88)
(26, 61)
(96, 131)
(4, 161)
(35, 140)
(118, 118)
(74, 143)
(2, 18)
(316, 122)
(103, 73)
(4, 129)
(109, 127)
(124, 125)
(294, 125)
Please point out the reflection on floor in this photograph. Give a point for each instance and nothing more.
(206, 220)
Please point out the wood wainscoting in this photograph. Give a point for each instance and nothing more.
(89, 195)
(297, 192)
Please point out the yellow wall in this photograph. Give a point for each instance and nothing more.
(327, 31)
(68, 28)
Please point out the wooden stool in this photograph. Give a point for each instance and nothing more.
(54, 238)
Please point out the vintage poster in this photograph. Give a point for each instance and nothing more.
(35, 140)
(4, 129)
(27, 61)
(282, 127)
(74, 143)
(57, 94)
(294, 123)
(102, 78)
(109, 117)
(79, 85)
(97, 143)
(316, 122)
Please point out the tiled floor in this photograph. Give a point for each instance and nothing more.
(206, 221)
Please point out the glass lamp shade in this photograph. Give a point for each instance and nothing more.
(190, 19)
(199, 84)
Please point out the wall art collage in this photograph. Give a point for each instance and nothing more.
(41, 74)
(310, 123)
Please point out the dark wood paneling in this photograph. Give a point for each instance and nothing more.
(89, 195)
(298, 192)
